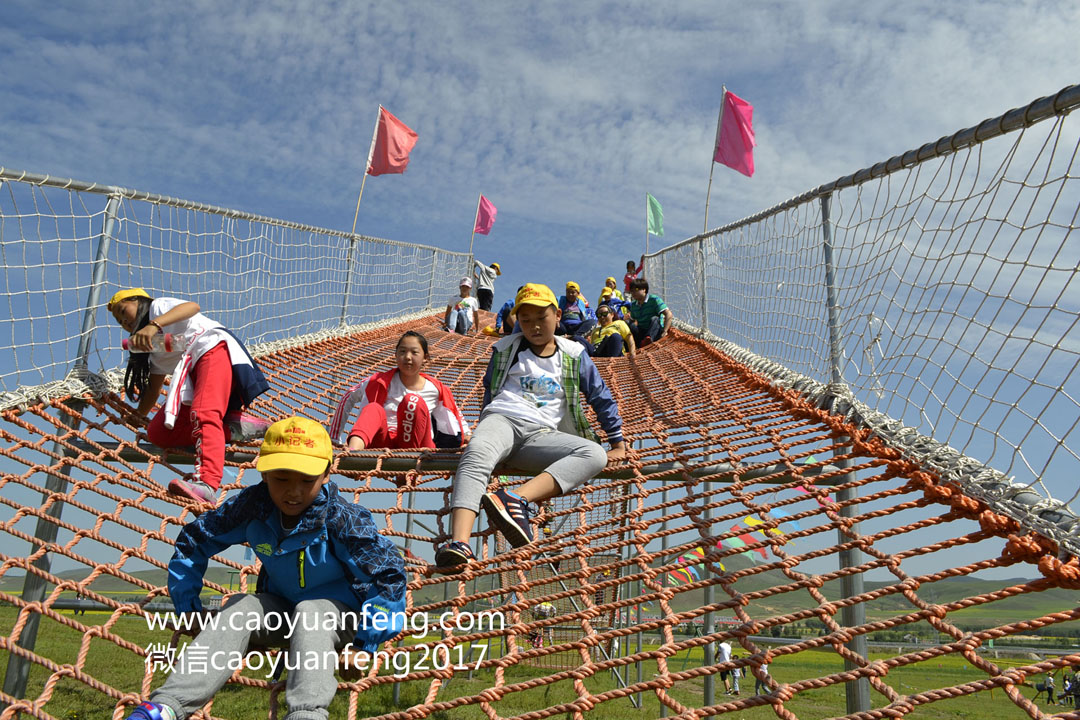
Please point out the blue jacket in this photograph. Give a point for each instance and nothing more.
(585, 309)
(504, 314)
(334, 552)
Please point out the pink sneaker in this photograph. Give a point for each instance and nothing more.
(195, 490)
(243, 427)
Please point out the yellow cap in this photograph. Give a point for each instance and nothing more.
(125, 294)
(606, 292)
(534, 294)
(498, 270)
(574, 285)
(610, 279)
(298, 444)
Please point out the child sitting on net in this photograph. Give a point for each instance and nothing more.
(462, 312)
(213, 377)
(403, 407)
(532, 419)
(329, 581)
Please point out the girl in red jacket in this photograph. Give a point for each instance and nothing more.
(402, 408)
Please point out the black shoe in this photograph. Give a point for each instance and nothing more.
(453, 555)
(510, 514)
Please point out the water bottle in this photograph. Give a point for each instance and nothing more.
(162, 342)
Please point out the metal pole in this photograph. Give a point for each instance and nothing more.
(348, 280)
(857, 691)
(709, 649)
(408, 546)
(18, 668)
(431, 282)
(712, 158)
(663, 552)
(704, 285)
(94, 298)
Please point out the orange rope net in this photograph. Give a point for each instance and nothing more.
(741, 515)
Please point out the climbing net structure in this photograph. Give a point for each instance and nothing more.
(813, 519)
(744, 515)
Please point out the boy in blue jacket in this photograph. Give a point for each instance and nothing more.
(328, 580)
(532, 419)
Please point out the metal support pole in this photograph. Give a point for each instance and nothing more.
(663, 551)
(18, 668)
(348, 280)
(704, 285)
(408, 546)
(709, 650)
(431, 282)
(857, 691)
(98, 279)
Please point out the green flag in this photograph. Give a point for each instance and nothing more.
(655, 216)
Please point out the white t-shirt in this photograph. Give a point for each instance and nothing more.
(533, 390)
(464, 303)
(397, 390)
(725, 652)
(196, 331)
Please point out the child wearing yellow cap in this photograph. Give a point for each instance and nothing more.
(576, 317)
(213, 378)
(611, 290)
(485, 282)
(531, 419)
(329, 581)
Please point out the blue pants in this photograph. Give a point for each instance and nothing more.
(460, 321)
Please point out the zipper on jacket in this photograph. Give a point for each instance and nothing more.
(301, 568)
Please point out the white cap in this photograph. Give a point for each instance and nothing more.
(465, 282)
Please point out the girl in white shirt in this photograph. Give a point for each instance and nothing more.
(213, 377)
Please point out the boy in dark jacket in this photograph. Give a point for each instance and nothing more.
(328, 580)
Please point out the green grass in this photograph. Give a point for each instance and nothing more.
(111, 664)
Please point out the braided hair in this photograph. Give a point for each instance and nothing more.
(137, 375)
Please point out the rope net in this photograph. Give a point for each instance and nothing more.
(745, 515)
(947, 301)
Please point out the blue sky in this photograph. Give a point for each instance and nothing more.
(563, 114)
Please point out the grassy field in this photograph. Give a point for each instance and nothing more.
(108, 663)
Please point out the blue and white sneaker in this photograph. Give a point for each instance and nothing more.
(510, 513)
(152, 711)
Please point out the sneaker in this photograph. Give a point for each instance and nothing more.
(509, 513)
(453, 555)
(195, 490)
(152, 711)
(243, 427)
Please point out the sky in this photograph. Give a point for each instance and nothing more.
(564, 114)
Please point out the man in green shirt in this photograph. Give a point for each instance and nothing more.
(650, 318)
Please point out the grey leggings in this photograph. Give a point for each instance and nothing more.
(526, 446)
(308, 691)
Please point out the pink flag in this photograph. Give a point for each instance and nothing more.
(735, 136)
(485, 216)
(393, 142)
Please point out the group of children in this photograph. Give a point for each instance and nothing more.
(618, 326)
(322, 556)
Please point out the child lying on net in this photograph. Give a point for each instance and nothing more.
(329, 581)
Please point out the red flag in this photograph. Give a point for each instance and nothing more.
(485, 216)
(735, 136)
(393, 141)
